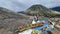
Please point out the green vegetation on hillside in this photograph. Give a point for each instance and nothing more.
(41, 10)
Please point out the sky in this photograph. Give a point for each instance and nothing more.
(21, 5)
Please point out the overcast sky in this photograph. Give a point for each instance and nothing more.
(21, 5)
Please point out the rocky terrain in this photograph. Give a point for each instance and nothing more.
(9, 21)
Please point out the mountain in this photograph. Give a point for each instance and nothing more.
(41, 10)
(20, 12)
(56, 8)
(10, 21)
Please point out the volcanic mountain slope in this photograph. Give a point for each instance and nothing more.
(9, 21)
(41, 10)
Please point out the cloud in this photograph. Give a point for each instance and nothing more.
(20, 5)
(12, 5)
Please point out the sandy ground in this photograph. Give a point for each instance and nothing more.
(55, 31)
(26, 32)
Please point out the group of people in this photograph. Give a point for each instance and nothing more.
(39, 30)
(50, 23)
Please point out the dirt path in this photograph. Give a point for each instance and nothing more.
(3, 31)
(55, 31)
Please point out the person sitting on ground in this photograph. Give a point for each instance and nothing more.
(51, 24)
(35, 19)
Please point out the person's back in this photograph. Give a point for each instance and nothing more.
(35, 19)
